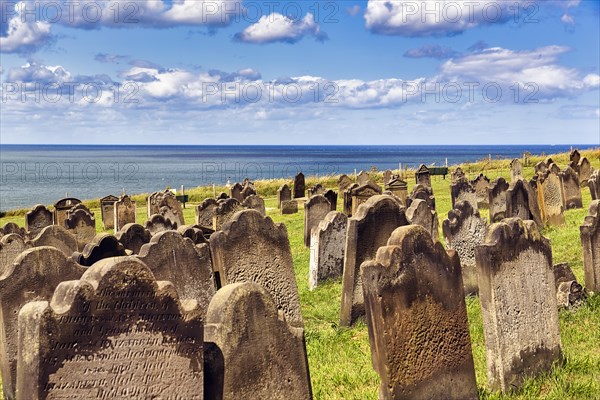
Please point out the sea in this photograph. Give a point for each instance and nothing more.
(42, 174)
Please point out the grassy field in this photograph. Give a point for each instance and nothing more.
(340, 358)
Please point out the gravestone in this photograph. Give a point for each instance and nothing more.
(248, 191)
(82, 224)
(521, 202)
(462, 190)
(590, 240)
(33, 276)
(569, 293)
(458, 175)
(368, 229)
(11, 247)
(516, 171)
(315, 210)
(171, 208)
(152, 204)
(176, 259)
(262, 358)
(541, 167)
(205, 213)
(419, 213)
(255, 202)
(417, 319)
(422, 176)
(284, 193)
(125, 212)
(363, 178)
(289, 207)
(421, 192)
(332, 197)
(574, 157)
(101, 247)
(11, 227)
(61, 207)
(115, 333)
(299, 186)
(235, 192)
(585, 171)
(463, 231)
(58, 237)
(133, 237)
(224, 212)
(594, 185)
(363, 193)
(37, 219)
(327, 249)
(518, 303)
(550, 198)
(222, 196)
(571, 189)
(344, 182)
(481, 184)
(497, 199)
(398, 187)
(347, 198)
(158, 223)
(315, 190)
(107, 211)
(387, 176)
(193, 232)
(252, 248)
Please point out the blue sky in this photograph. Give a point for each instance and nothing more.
(304, 72)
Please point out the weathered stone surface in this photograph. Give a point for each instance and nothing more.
(363, 193)
(133, 237)
(222, 196)
(590, 240)
(284, 193)
(33, 276)
(166, 204)
(205, 213)
(550, 198)
(585, 171)
(101, 247)
(481, 184)
(541, 167)
(299, 186)
(289, 207)
(497, 199)
(252, 248)
(462, 190)
(115, 333)
(37, 219)
(315, 210)
(369, 229)
(516, 171)
(262, 358)
(347, 198)
(193, 232)
(332, 197)
(255, 202)
(521, 202)
(11, 246)
(11, 227)
(61, 207)
(398, 187)
(344, 182)
(423, 193)
(327, 249)
(158, 223)
(562, 273)
(176, 259)
(235, 192)
(463, 231)
(417, 319)
(363, 178)
(594, 185)
(58, 237)
(571, 189)
(518, 302)
(315, 190)
(570, 294)
(107, 211)
(82, 224)
(574, 157)
(387, 176)
(125, 212)
(422, 176)
(224, 212)
(248, 191)
(458, 175)
(419, 213)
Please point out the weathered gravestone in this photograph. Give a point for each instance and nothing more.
(193, 232)
(327, 249)
(115, 333)
(481, 184)
(176, 259)
(457, 175)
(255, 202)
(516, 171)
(289, 207)
(363, 178)
(549, 194)
(299, 186)
(262, 358)
(205, 212)
(363, 193)
(315, 210)
(463, 231)
(222, 196)
(37, 219)
(332, 197)
(419, 213)
(541, 167)
(224, 212)
(423, 193)
(368, 229)
(166, 204)
(398, 187)
(107, 211)
(82, 224)
(284, 193)
(248, 191)
(387, 176)
(235, 192)
(590, 240)
(315, 190)
(462, 190)
(571, 189)
(521, 202)
(569, 293)
(33, 276)
(574, 158)
(158, 223)
(252, 248)
(11, 227)
(58, 237)
(344, 182)
(585, 171)
(422, 176)
(133, 237)
(518, 303)
(497, 199)
(124, 211)
(11, 246)
(101, 247)
(61, 207)
(594, 185)
(417, 319)
(347, 199)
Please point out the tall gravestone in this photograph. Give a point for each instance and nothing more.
(115, 333)
(82, 224)
(11, 246)
(419, 213)
(158, 223)
(458, 175)
(166, 204)
(421, 192)
(262, 358)
(585, 171)
(205, 213)
(101, 247)
(284, 193)
(33, 276)
(37, 219)
(463, 190)
(522, 202)
(398, 187)
(590, 240)
(594, 185)
(516, 171)
(518, 303)
(463, 231)
(368, 229)
(58, 237)
(248, 191)
(417, 319)
(344, 182)
(387, 176)
(224, 212)
(332, 197)
(124, 211)
(550, 197)
(299, 186)
(363, 178)
(571, 189)
(61, 207)
(107, 211)
(481, 184)
(347, 199)
(363, 193)
(541, 167)
(133, 237)
(315, 190)
(235, 192)
(422, 176)
(252, 248)
(255, 202)
(327, 249)
(497, 199)
(315, 210)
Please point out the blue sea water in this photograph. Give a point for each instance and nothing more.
(32, 174)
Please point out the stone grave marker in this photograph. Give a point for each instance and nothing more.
(82, 224)
(423, 193)
(289, 207)
(11, 247)
(458, 175)
(516, 170)
(107, 211)
(419, 213)
(193, 232)
(235, 192)
(284, 193)
(37, 219)
(463, 190)
(222, 196)
(344, 182)
(363, 178)
(315, 210)
(101, 247)
(549, 194)
(590, 240)
(255, 202)
(363, 193)
(481, 184)
(571, 189)
(594, 185)
(497, 199)
(521, 202)
(11, 227)
(124, 211)
(315, 190)
(205, 212)
(422, 176)
(332, 197)
(299, 186)
(158, 223)
(58, 237)
(248, 190)
(387, 176)
(347, 198)
(327, 249)
(133, 237)
(398, 188)
(541, 167)
(61, 207)
(585, 171)
(224, 212)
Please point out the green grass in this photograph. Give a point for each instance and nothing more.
(340, 358)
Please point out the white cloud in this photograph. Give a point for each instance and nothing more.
(278, 28)
(22, 36)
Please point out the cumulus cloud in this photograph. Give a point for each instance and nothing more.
(110, 58)
(431, 51)
(17, 35)
(279, 28)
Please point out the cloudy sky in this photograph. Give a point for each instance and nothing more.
(304, 72)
